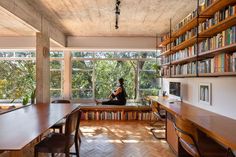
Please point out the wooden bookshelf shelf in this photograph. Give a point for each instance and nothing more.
(207, 12)
(166, 53)
(223, 25)
(222, 33)
(212, 53)
(214, 7)
(184, 60)
(183, 76)
(185, 44)
(217, 74)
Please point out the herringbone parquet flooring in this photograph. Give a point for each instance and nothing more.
(121, 139)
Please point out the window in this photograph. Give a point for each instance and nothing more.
(95, 74)
(17, 75)
(82, 75)
(56, 74)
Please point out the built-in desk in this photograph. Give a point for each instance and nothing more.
(22, 126)
(218, 127)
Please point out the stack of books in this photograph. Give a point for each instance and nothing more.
(187, 35)
(227, 37)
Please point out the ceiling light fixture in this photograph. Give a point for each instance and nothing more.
(117, 13)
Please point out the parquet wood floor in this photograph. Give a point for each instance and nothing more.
(121, 139)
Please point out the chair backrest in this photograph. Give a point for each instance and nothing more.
(61, 101)
(73, 122)
(187, 134)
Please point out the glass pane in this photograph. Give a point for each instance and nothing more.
(6, 54)
(82, 94)
(56, 54)
(55, 79)
(127, 54)
(152, 54)
(147, 65)
(17, 79)
(85, 64)
(148, 80)
(104, 54)
(82, 80)
(108, 72)
(83, 54)
(55, 93)
(144, 93)
(55, 64)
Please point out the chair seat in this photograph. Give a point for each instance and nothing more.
(55, 143)
(59, 124)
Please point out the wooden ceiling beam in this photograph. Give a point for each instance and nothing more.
(26, 14)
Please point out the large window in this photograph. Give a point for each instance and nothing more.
(17, 75)
(95, 74)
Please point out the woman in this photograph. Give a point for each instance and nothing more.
(118, 97)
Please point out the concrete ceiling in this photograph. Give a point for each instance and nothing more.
(10, 26)
(97, 17)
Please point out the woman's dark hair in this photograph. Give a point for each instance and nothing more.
(121, 81)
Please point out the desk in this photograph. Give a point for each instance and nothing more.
(22, 126)
(218, 127)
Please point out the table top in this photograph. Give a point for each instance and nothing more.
(18, 128)
(220, 128)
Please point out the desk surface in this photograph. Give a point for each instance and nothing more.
(220, 128)
(18, 128)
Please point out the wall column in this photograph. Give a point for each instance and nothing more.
(67, 75)
(43, 64)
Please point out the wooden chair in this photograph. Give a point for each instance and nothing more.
(59, 125)
(160, 116)
(59, 142)
(188, 138)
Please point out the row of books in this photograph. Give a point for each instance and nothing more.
(224, 62)
(118, 115)
(188, 18)
(205, 3)
(185, 53)
(165, 60)
(165, 71)
(187, 35)
(218, 17)
(185, 69)
(226, 37)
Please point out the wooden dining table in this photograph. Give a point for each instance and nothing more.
(22, 126)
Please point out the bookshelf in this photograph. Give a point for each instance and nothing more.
(195, 46)
(112, 112)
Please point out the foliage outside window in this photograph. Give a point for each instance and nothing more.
(17, 75)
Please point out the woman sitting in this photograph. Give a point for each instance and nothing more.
(118, 97)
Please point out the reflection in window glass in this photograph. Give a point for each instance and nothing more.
(104, 54)
(127, 54)
(7, 54)
(56, 54)
(83, 54)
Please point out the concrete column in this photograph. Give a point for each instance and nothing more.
(43, 64)
(67, 75)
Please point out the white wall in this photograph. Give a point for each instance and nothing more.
(223, 93)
